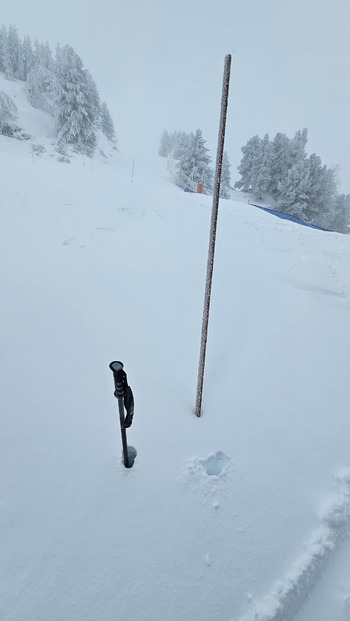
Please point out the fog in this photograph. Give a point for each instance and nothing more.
(159, 64)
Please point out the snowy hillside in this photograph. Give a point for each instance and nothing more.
(230, 517)
(37, 133)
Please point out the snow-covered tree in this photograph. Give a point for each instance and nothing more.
(180, 141)
(249, 165)
(280, 162)
(294, 190)
(297, 146)
(3, 39)
(76, 110)
(225, 184)
(261, 172)
(93, 98)
(107, 125)
(43, 55)
(165, 144)
(5, 55)
(281, 170)
(15, 65)
(340, 218)
(285, 152)
(8, 111)
(41, 87)
(61, 87)
(194, 164)
(322, 191)
(27, 56)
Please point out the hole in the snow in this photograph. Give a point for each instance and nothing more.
(215, 464)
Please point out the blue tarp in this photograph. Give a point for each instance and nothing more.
(287, 216)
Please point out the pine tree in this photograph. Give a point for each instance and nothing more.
(249, 165)
(225, 184)
(38, 52)
(165, 144)
(107, 125)
(194, 164)
(180, 141)
(8, 111)
(41, 82)
(14, 55)
(322, 191)
(340, 217)
(294, 190)
(93, 102)
(6, 58)
(41, 87)
(261, 171)
(27, 56)
(75, 114)
(3, 39)
(282, 170)
(46, 58)
(297, 146)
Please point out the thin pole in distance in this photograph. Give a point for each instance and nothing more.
(212, 235)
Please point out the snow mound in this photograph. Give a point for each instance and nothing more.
(289, 594)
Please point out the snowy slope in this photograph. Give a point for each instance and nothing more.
(96, 268)
(38, 128)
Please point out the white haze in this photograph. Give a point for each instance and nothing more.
(159, 64)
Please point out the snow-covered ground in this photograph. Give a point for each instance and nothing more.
(240, 515)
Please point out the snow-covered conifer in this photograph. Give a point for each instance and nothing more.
(107, 125)
(3, 39)
(41, 87)
(194, 164)
(8, 111)
(297, 146)
(249, 165)
(6, 58)
(323, 189)
(261, 170)
(27, 56)
(294, 190)
(75, 113)
(225, 184)
(14, 55)
(165, 144)
(340, 217)
(180, 142)
(280, 161)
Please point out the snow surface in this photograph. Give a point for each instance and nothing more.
(96, 268)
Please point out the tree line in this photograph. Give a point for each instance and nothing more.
(280, 172)
(58, 84)
(193, 160)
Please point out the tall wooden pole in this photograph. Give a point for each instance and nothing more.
(212, 236)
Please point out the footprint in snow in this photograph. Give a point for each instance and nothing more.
(214, 465)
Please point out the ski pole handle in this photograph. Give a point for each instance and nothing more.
(118, 376)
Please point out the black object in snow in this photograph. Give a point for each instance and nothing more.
(125, 398)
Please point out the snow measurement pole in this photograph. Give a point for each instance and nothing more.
(125, 398)
(212, 236)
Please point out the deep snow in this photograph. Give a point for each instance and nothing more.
(96, 268)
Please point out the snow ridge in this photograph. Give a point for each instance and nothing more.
(289, 594)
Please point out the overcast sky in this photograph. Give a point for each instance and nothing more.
(159, 64)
